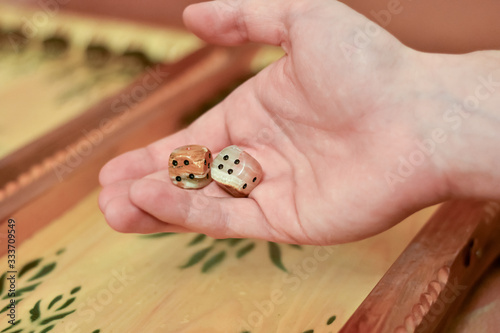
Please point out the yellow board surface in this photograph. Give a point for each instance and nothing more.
(78, 275)
(41, 87)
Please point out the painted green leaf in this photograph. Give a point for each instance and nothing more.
(5, 308)
(11, 326)
(331, 320)
(2, 282)
(21, 291)
(159, 235)
(75, 290)
(234, 241)
(54, 301)
(56, 317)
(199, 238)
(220, 240)
(66, 304)
(48, 328)
(213, 261)
(275, 255)
(197, 257)
(97, 331)
(61, 251)
(18, 331)
(296, 246)
(35, 311)
(44, 271)
(244, 250)
(309, 331)
(29, 266)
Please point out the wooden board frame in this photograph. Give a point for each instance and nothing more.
(424, 288)
(58, 166)
(25, 172)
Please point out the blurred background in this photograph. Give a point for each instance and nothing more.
(433, 26)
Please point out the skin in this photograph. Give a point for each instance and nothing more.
(329, 127)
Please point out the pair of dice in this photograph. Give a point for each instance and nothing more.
(192, 167)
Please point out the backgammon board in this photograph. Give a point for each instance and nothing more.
(192, 283)
(60, 90)
(49, 73)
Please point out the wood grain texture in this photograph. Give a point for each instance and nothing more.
(133, 283)
(158, 115)
(425, 286)
(44, 97)
(481, 308)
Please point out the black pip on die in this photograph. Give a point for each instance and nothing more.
(189, 166)
(236, 171)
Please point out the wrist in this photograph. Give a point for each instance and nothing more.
(465, 122)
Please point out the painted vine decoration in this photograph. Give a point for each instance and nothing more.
(43, 315)
(215, 251)
(240, 247)
(328, 322)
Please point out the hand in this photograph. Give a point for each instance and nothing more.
(327, 125)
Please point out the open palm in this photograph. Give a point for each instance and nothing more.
(326, 122)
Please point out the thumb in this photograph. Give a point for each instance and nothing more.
(238, 21)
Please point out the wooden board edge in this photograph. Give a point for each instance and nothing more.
(428, 281)
(16, 166)
(49, 194)
(153, 12)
